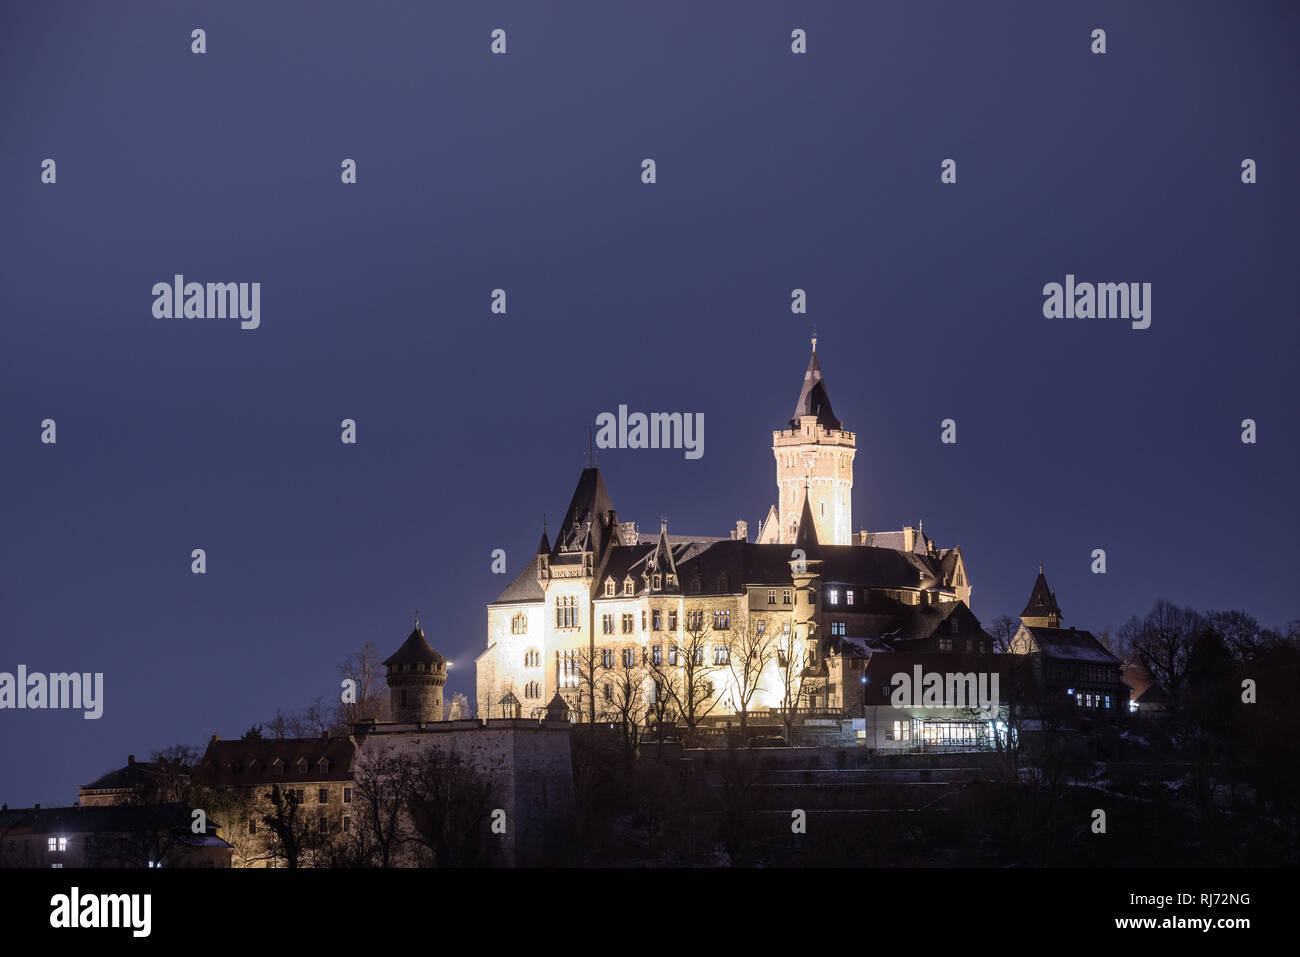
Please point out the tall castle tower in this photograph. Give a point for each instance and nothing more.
(416, 675)
(815, 454)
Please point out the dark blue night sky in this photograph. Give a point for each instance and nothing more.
(522, 171)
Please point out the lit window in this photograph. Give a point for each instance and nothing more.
(848, 596)
(833, 596)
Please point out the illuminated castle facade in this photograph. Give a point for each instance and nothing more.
(604, 597)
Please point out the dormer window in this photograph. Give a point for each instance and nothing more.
(672, 579)
(609, 588)
(324, 765)
(278, 766)
(724, 583)
(697, 585)
(658, 581)
(627, 586)
(302, 765)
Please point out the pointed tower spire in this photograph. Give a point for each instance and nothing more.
(1042, 610)
(806, 537)
(813, 397)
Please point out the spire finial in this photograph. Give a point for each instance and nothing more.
(663, 523)
(543, 523)
(1040, 568)
(417, 619)
(814, 340)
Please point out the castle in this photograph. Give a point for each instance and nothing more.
(605, 596)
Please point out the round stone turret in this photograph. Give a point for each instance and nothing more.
(416, 675)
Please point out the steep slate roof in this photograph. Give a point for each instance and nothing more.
(104, 819)
(590, 503)
(229, 763)
(814, 399)
(524, 588)
(132, 775)
(415, 650)
(1042, 601)
(1070, 644)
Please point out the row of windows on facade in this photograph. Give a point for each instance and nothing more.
(568, 662)
(655, 692)
(278, 766)
(793, 459)
(299, 796)
(835, 595)
(1069, 670)
(940, 732)
(323, 825)
(1088, 699)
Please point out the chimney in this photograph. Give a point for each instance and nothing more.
(130, 760)
(741, 534)
(862, 537)
(215, 739)
(909, 538)
(36, 807)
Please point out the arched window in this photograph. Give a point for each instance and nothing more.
(609, 588)
(519, 624)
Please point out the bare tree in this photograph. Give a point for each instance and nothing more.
(371, 701)
(589, 664)
(1162, 641)
(291, 829)
(627, 702)
(796, 683)
(449, 807)
(748, 653)
(684, 676)
(1003, 630)
(458, 707)
(385, 783)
